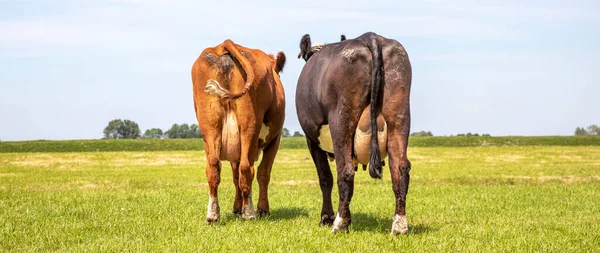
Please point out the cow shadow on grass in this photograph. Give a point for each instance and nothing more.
(277, 214)
(287, 213)
(368, 222)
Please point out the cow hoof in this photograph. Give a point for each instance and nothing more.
(399, 225)
(212, 215)
(211, 220)
(326, 219)
(263, 213)
(248, 212)
(237, 213)
(340, 224)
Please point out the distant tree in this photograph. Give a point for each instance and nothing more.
(298, 134)
(593, 130)
(130, 130)
(183, 131)
(122, 129)
(173, 132)
(422, 133)
(195, 131)
(112, 130)
(469, 134)
(580, 131)
(285, 132)
(154, 133)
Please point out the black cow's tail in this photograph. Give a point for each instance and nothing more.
(375, 164)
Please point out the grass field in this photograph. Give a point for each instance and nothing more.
(507, 198)
(286, 143)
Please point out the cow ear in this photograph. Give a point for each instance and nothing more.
(305, 46)
(279, 62)
(343, 37)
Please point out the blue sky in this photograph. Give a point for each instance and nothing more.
(503, 67)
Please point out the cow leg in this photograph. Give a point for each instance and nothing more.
(212, 145)
(249, 143)
(325, 180)
(245, 185)
(399, 171)
(237, 204)
(264, 176)
(342, 130)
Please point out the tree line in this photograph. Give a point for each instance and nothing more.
(428, 133)
(128, 129)
(590, 130)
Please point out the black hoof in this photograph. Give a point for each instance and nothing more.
(211, 221)
(237, 213)
(327, 220)
(263, 213)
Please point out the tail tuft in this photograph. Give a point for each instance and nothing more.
(279, 62)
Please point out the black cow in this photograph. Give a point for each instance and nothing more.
(352, 101)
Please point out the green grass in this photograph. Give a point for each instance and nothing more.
(286, 143)
(530, 198)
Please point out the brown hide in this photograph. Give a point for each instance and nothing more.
(237, 91)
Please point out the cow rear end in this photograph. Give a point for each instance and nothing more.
(240, 105)
(358, 91)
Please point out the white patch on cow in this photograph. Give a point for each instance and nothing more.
(248, 210)
(213, 87)
(348, 54)
(213, 209)
(399, 225)
(339, 224)
(264, 131)
(325, 141)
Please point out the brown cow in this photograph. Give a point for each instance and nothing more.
(240, 107)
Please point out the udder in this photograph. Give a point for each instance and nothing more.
(362, 137)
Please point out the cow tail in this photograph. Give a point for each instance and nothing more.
(375, 164)
(246, 65)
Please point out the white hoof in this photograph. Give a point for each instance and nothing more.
(399, 225)
(212, 215)
(248, 210)
(340, 224)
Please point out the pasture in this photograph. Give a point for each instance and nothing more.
(479, 198)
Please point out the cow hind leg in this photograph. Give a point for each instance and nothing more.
(237, 204)
(246, 176)
(325, 180)
(399, 171)
(342, 129)
(245, 185)
(264, 176)
(213, 171)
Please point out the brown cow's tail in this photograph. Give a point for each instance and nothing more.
(375, 164)
(246, 65)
